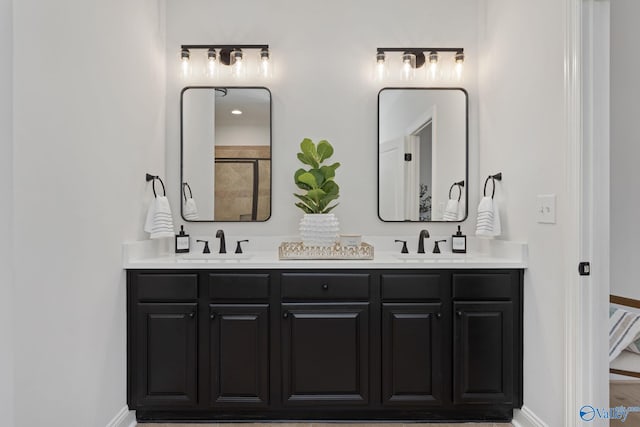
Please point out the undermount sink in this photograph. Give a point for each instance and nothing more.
(215, 257)
(431, 257)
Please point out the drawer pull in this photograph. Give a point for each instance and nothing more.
(459, 313)
(192, 315)
(325, 286)
(438, 315)
(285, 314)
(212, 316)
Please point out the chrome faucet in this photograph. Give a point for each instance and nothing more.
(423, 235)
(223, 246)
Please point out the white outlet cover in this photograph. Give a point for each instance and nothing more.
(546, 208)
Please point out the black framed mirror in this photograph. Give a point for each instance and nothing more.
(225, 153)
(423, 150)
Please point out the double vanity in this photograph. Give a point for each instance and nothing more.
(393, 338)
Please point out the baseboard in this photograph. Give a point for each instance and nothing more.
(526, 418)
(124, 418)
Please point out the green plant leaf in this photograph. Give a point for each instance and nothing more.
(330, 208)
(306, 200)
(325, 150)
(318, 175)
(296, 179)
(305, 208)
(307, 160)
(330, 187)
(316, 195)
(308, 149)
(309, 179)
(326, 200)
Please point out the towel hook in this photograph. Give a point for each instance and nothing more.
(459, 184)
(493, 179)
(186, 185)
(153, 178)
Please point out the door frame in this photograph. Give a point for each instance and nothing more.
(587, 135)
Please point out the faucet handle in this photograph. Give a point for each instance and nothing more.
(436, 248)
(205, 250)
(404, 246)
(239, 247)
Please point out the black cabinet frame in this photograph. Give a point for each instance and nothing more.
(263, 304)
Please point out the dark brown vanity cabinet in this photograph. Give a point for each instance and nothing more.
(325, 343)
(487, 338)
(163, 341)
(414, 344)
(358, 344)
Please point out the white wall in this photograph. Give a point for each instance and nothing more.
(521, 134)
(89, 122)
(322, 88)
(625, 149)
(6, 213)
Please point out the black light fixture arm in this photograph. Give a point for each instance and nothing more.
(224, 46)
(420, 49)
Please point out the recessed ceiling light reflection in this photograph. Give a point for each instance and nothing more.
(236, 112)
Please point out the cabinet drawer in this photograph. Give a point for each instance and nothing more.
(410, 286)
(166, 287)
(238, 286)
(484, 285)
(325, 286)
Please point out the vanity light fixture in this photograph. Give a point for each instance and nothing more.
(414, 59)
(212, 64)
(185, 62)
(227, 59)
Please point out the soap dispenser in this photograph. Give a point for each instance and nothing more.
(182, 241)
(459, 242)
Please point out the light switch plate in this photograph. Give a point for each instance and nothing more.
(546, 209)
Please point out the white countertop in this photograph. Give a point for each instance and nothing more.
(482, 253)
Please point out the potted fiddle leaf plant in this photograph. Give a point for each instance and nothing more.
(318, 227)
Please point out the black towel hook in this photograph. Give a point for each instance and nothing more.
(153, 178)
(493, 179)
(459, 184)
(186, 185)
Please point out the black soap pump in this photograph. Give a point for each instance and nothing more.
(459, 242)
(182, 241)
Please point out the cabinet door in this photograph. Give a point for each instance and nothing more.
(483, 352)
(325, 354)
(166, 347)
(239, 355)
(412, 354)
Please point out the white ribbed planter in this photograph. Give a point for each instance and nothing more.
(319, 229)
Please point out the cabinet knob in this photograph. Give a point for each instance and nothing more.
(285, 314)
(192, 315)
(325, 286)
(438, 315)
(212, 316)
(459, 313)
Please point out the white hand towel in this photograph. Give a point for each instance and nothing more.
(484, 226)
(190, 210)
(451, 211)
(461, 210)
(488, 224)
(159, 220)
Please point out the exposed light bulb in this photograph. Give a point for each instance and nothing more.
(212, 64)
(381, 70)
(408, 66)
(433, 65)
(459, 65)
(265, 69)
(185, 63)
(238, 68)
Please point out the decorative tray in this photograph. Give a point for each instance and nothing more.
(297, 250)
